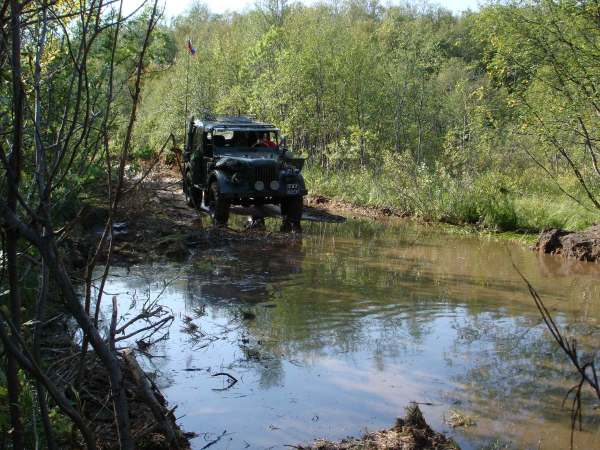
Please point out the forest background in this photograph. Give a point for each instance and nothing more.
(489, 118)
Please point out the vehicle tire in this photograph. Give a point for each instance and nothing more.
(191, 196)
(291, 210)
(218, 207)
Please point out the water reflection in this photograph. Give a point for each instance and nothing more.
(242, 274)
(341, 329)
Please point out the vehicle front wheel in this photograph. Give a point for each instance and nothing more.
(291, 210)
(218, 207)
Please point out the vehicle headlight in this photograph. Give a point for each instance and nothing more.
(274, 185)
(259, 185)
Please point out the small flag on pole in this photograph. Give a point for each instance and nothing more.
(190, 48)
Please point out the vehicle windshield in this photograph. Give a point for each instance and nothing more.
(258, 140)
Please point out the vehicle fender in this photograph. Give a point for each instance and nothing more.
(225, 186)
(298, 178)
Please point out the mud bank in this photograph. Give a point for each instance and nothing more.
(409, 433)
(581, 245)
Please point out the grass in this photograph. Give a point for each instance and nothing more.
(492, 202)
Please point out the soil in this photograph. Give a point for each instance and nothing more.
(581, 245)
(373, 212)
(410, 433)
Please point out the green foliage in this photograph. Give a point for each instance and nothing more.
(447, 118)
(144, 152)
(61, 426)
(34, 430)
(491, 201)
(550, 69)
(4, 413)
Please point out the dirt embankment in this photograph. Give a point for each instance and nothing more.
(581, 245)
(410, 433)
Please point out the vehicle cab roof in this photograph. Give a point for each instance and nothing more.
(233, 123)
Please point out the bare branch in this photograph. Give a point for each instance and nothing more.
(586, 370)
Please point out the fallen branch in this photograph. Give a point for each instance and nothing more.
(232, 380)
(213, 442)
(154, 326)
(147, 394)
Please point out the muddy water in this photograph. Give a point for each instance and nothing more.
(335, 333)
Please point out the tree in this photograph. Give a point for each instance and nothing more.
(546, 53)
(60, 117)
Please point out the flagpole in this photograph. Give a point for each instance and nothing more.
(187, 85)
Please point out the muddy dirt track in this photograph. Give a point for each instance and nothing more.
(154, 223)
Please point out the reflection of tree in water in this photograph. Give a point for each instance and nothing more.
(347, 290)
(516, 365)
(363, 293)
(330, 304)
(342, 300)
(236, 281)
(357, 297)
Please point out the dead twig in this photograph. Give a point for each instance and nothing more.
(586, 370)
(213, 442)
(232, 380)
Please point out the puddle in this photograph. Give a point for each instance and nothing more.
(336, 333)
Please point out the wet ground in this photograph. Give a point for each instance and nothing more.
(336, 332)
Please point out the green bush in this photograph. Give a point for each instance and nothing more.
(493, 201)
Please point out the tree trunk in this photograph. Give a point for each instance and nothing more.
(12, 235)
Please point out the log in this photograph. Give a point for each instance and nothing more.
(147, 394)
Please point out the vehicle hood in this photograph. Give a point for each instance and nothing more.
(250, 160)
(248, 155)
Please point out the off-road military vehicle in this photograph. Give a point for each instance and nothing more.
(239, 161)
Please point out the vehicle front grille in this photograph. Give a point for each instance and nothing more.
(265, 174)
